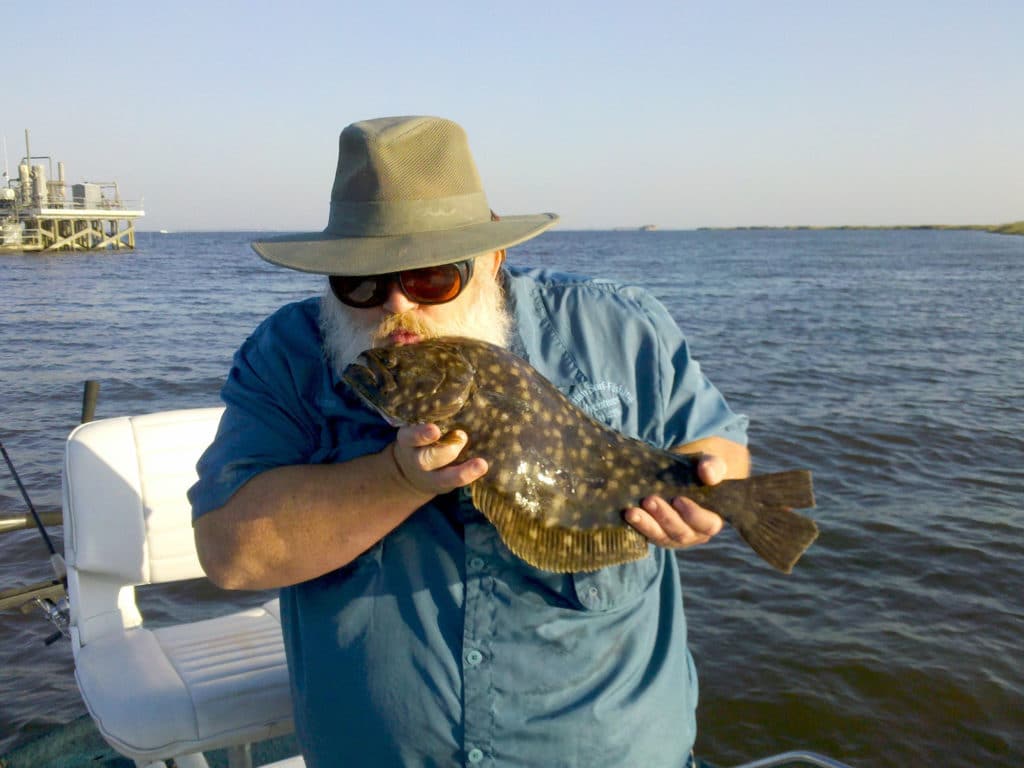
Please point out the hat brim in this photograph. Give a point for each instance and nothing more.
(326, 254)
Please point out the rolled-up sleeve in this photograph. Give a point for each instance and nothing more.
(267, 421)
(693, 407)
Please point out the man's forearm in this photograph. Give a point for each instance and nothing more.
(294, 523)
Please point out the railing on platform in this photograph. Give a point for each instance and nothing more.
(81, 205)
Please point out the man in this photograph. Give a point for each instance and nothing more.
(414, 637)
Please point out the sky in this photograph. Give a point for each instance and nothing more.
(226, 115)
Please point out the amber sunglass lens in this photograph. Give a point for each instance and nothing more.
(432, 285)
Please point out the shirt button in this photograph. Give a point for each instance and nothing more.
(477, 563)
(475, 755)
(474, 657)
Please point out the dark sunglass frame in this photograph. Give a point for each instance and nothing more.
(457, 277)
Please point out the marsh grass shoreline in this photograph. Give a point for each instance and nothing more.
(1012, 228)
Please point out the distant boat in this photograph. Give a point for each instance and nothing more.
(648, 227)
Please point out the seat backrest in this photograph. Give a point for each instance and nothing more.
(127, 519)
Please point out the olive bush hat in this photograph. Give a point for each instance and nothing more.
(406, 195)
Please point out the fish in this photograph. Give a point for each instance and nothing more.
(558, 480)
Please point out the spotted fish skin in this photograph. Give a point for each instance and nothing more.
(558, 479)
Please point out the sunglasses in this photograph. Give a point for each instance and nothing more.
(429, 285)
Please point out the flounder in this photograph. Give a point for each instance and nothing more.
(559, 480)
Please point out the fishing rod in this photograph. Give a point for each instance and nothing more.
(29, 504)
(41, 520)
(50, 597)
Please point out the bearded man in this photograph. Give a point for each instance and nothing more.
(414, 637)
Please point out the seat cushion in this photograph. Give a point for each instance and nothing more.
(188, 687)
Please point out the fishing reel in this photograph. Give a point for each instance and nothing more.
(48, 596)
(59, 614)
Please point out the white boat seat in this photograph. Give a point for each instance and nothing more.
(172, 691)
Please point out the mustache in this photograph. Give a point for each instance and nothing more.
(407, 321)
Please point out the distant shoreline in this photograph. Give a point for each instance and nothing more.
(1013, 228)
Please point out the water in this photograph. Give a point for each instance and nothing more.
(889, 363)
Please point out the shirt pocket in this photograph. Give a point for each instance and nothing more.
(617, 586)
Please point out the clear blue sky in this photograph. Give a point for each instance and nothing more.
(225, 115)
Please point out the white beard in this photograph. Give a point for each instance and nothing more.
(346, 331)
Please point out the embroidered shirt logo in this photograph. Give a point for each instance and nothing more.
(603, 400)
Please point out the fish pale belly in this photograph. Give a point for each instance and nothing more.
(561, 520)
(558, 481)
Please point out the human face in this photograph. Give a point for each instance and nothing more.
(478, 312)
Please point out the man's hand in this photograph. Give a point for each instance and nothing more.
(681, 523)
(424, 459)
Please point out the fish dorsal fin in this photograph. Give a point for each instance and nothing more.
(558, 548)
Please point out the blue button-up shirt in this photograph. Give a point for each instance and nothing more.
(439, 647)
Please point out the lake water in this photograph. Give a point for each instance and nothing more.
(889, 363)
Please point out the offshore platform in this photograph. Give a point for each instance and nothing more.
(38, 214)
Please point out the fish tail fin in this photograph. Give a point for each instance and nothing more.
(785, 489)
(779, 535)
(760, 508)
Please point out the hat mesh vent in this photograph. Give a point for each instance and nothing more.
(432, 166)
(428, 167)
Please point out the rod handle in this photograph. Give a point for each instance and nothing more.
(89, 396)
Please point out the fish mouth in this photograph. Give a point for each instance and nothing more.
(369, 377)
